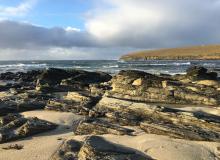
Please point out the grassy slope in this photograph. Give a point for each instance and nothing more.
(195, 52)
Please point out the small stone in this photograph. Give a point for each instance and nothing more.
(13, 146)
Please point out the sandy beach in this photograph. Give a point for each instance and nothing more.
(43, 146)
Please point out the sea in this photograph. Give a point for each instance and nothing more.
(111, 66)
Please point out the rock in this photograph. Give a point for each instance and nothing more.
(145, 87)
(96, 148)
(74, 102)
(31, 104)
(34, 126)
(72, 85)
(30, 76)
(15, 104)
(91, 77)
(99, 89)
(7, 119)
(67, 106)
(23, 127)
(7, 106)
(54, 79)
(161, 120)
(208, 83)
(68, 151)
(99, 127)
(13, 146)
(196, 73)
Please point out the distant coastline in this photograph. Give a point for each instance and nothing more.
(208, 52)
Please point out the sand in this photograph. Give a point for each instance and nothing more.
(42, 146)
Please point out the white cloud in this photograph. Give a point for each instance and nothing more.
(155, 24)
(72, 29)
(113, 28)
(20, 10)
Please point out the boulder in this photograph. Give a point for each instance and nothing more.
(16, 127)
(75, 102)
(16, 104)
(59, 80)
(68, 151)
(195, 73)
(96, 148)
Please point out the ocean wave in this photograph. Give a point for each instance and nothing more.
(110, 66)
(209, 64)
(182, 63)
(22, 65)
(81, 67)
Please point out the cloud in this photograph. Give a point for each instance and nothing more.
(59, 53)
(113, 28)
(20, 10)
(24, 35)
(155, 24)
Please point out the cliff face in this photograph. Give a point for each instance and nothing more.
(209, 52)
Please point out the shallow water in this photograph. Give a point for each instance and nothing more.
(111, 66)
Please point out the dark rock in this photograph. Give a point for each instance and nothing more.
(30, 76)
(35, 126)
(99, 127)
(68, 151)
(200, 73)
(23, 127)
(7, 119)
(56, 79)
(7, 107)
(13, 146)
(13, 105)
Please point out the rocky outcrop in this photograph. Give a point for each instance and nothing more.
(30, 76)
(14, 127)
(160, 120)
(96, 148)
(196, 73)
(75, 102)
(145, 87)
(111, 103)
(22, 102)
(67, 80)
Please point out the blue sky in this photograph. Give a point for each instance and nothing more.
(103, 29)
(49, 13)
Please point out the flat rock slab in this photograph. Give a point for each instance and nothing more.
(99, 127)
(161, 120)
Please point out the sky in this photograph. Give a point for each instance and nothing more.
(103, 29)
